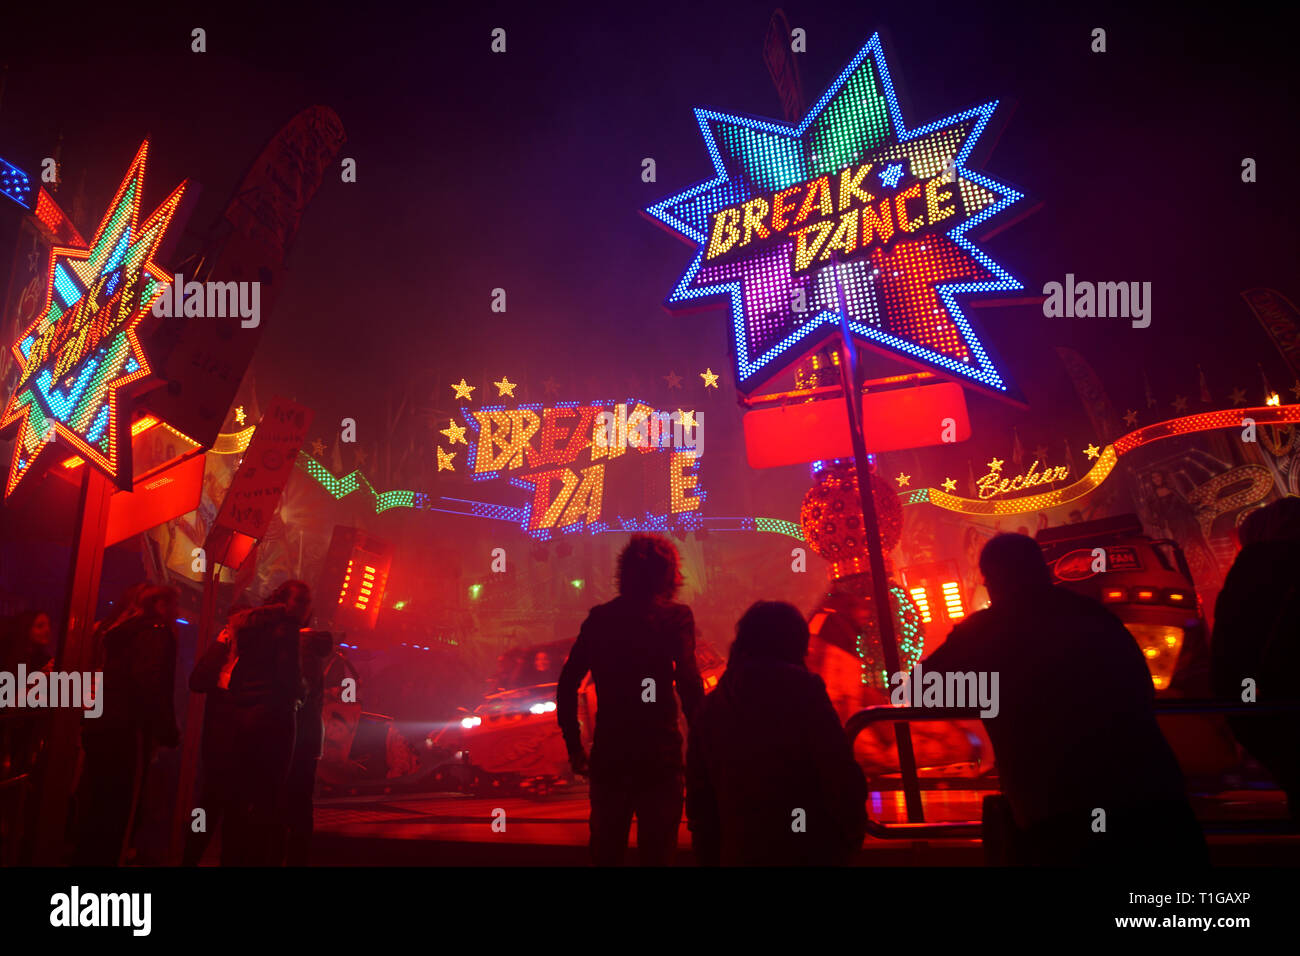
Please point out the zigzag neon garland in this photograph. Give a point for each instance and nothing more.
(341, 487)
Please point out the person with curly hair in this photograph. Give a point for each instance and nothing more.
(638, 648)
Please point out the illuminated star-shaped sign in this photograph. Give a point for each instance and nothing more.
(505, 387)
(949, 485)
(444, 459)
(463, 390)
(686, 418)
(851, 185)
(710, 378)
(995, 464)
(903, 480)
(84, 349)
(455, 433)
(1092, 451)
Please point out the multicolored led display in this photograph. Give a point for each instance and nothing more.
(83, 350)
(849, 190)
(15, 184)
(1106, 461)
(565, 455)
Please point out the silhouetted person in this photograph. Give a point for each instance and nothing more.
(1257, 637)
(211, 677)
(139, 668)
(314, 648)
(25, 640)
(636, 647)
(770, 774)
(1075, 730)
(265, 684)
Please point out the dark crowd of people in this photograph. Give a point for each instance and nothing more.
(766, 774)
(263, 680)
(769, 776)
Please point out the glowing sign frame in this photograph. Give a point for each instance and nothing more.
(89, 380)
(787, 147)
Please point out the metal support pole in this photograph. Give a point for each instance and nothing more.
(851, 378)
(193, 722)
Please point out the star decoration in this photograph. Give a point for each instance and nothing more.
(891, 174)
(900, 294)
(950, 485)
(1092, 451)
(550, 386)
(903, 480)
(1295, 390)
(317, 448)
(686, 418)
(1130, 418)
(463, 390)
(995, 464)
(455, 433)
(239, 414)
(710, 378)
(673, 379)
(1180, 403)
(84, 348)
(1274, 399)
(505, 387)
(1238, 396)
(444, 459)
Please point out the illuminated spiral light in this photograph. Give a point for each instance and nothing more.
(908, 631)
(831, 518)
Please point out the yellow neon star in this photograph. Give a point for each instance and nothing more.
(686, 418)
(903, 480)
(949, 485)
(995, 464)
(455, 433)
(1274, 399)
(444, 459)
(505, 387)
(463, 389)
(1092, 451)
(710, 378)
(239, 414)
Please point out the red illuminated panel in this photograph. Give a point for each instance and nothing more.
(173, 492)
(818, 431)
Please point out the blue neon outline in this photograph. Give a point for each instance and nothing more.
(746, 368)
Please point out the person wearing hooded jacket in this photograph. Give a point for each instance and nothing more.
(770, 774)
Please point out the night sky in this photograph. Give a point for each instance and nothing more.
(522, 171)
